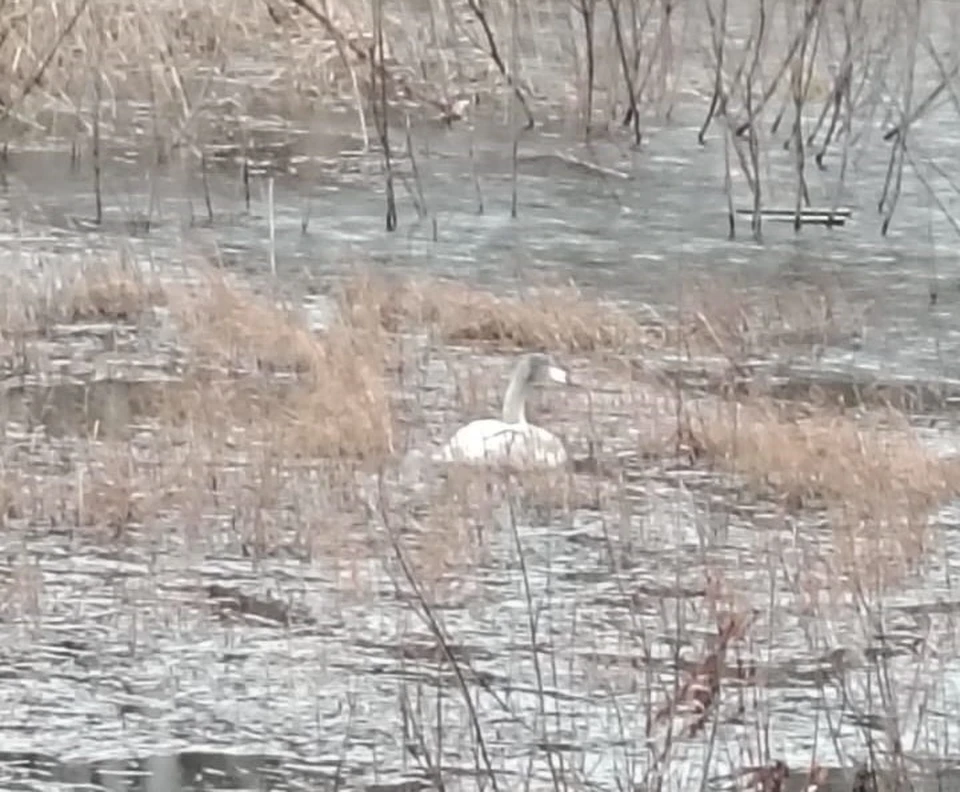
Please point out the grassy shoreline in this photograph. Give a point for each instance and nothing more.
(250, 371)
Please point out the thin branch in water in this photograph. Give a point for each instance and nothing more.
(633, 113)
(933, 193)
(420, 201)
(380, 111)
(840, 94)
(728, 183)
(305, 216)
(514, 59)
(514, 173)
(532, 627)
(494, 51)
(800, 88)
(97, 167)
(587, 9)
(944, 74)
(718, 34)
(754, 151)
(848, 105)
(206, 186)
(925, 105)
(891, 191)
(426, 614)
(273, 230)
(245, 176)
(811, 14)
(476, 176)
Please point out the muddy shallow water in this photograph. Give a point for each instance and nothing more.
(179, 656)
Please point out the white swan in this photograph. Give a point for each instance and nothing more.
(512, 441)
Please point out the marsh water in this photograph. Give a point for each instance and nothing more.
(168, 662)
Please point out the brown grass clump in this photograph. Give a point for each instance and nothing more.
(876, 481)
(716, 317)
(51, 50)
(555, 318)
(229, 325)
(108, 288)
(333, 402)
(739, 323)
(826, 455)
(112, 289)
(51, 53)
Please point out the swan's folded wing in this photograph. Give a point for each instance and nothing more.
(494, 442)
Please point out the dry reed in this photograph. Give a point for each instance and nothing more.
(105, 288)
(870, 474)
(559, 319)
(334, 400)
(247, 361)
(112, 290)
(739, 323)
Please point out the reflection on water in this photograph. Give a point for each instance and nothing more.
(200, 771)
(187, 771)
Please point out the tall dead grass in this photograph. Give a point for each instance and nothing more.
(226, 324)
(334, 399)
(742, 322)
(256, 377)
(247, 360)
(870, 474)
(715, 317)
(104, 288)
(163, 53)
(51, 50)
(114, 289)
(554, 318)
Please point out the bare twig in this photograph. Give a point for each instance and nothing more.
(811, 14)
(426, 614)
(379, 104)
(633, 113)
(718, 35)
(494, 51)
(588, 9)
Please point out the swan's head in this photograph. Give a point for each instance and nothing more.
(543, 368)
(532, 368)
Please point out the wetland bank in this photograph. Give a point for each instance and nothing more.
(219, 569)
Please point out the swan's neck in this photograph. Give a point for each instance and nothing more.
(515, 399)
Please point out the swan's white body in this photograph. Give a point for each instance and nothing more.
(496, 442)
(511, 441)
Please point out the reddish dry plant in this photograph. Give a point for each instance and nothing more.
(767, 779)
(773, 778)
(698, 693)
